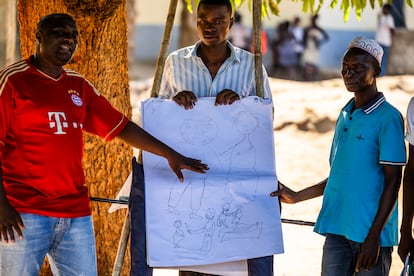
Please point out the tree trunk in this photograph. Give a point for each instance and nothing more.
(101, 58)
(188, 30)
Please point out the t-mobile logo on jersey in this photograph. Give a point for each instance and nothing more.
(58, 121)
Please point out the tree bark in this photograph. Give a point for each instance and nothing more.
(102, 59)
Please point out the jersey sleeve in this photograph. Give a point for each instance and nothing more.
(103, 119)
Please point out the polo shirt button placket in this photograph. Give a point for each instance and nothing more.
(345, 128)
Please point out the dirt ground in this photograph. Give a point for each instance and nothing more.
(305, 114)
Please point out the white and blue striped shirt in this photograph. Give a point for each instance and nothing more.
(185, 71)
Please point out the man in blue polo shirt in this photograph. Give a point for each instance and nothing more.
(359, 216)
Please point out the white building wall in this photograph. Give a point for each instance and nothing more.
(151, 16)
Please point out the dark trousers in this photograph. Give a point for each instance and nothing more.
(136, 206)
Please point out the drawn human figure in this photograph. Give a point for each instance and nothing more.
(208, 230)
(197, 133)
(243, 159)
(231, 226)
(225, 212)
(178, 234)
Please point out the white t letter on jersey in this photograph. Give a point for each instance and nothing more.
(56, 122)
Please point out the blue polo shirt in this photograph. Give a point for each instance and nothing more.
(364, 141)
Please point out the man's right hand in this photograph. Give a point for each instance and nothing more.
(187, 99)
(10, 220)
(285, 194)
(406, 244)
(179, 162)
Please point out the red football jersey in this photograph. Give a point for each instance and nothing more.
(41, 142)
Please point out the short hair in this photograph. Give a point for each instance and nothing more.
(226, 3)
(55, 19)
(237, 17)
(387, 6)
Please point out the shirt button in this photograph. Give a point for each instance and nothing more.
(350, 118)
(345, 129)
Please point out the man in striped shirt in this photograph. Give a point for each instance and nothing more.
(213, 67)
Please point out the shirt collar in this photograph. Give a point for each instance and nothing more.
(369, 107)
(234, 51)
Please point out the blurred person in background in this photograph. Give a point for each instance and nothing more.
(384, 33)
(239, 34)
(314, 37)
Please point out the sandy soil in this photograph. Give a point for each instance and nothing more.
(305, 114)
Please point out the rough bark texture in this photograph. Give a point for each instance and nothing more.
(101, 58)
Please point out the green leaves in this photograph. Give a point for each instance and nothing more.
(189, 5)
(311, 6)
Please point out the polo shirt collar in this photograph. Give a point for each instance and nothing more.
(369, 107)
(234, 55)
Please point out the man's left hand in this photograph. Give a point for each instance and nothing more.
(368, 256)
(406, 244)
(226, 97)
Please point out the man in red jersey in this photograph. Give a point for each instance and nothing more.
(44, 109)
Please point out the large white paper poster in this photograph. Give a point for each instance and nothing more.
(227, 213)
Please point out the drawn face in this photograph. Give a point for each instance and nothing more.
(245, 122)
(198, 131)
(210, 213)
(177, 223)
(226, 207)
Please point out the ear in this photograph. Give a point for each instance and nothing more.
(231, 22)
(38, 36)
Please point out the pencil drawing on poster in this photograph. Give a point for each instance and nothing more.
(203, 219)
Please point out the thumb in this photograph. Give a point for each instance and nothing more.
(275, 193)
(179, 175)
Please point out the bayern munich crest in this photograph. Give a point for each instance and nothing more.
(76, 100)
